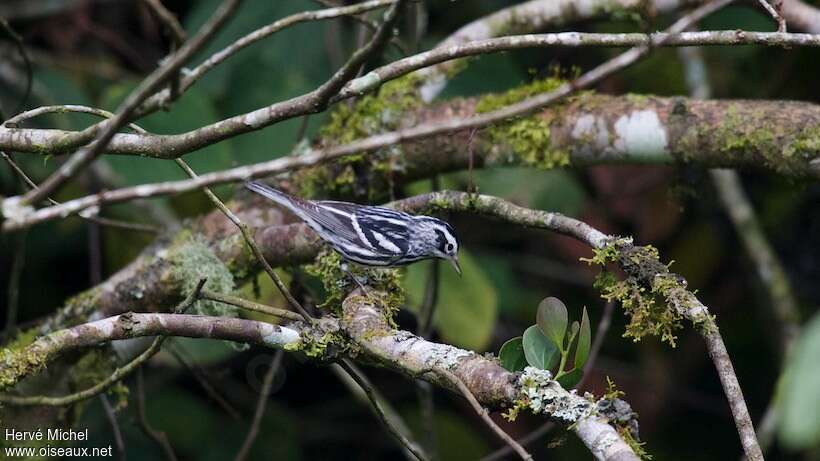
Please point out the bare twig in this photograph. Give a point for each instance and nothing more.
(18, 42)
(424, 329)
(778, 18)
(248, 236)
(368, 144)
(158, 437)
(482, 412)
(217, 58)
(768, 265)
(115, 426)
(168, 20)
(13, 300)
(363, 382)
(251, 306)
(172, 146)
(742, 215)
(178, 352)
(261, 404)
(115, 377)
(97, 219)
(100, 137)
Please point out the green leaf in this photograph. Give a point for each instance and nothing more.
(552, 320)
(512, 355)
(539, 351)
(584, 341)
(571, 379)
(798, 399)
(467, 306)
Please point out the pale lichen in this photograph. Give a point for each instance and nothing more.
(190, 260)
(541, 394)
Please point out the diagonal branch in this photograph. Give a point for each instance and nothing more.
(99, 138)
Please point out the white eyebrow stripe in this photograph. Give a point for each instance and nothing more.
(385, 243)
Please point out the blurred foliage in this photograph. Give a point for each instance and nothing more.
(94, 54)
(799, 399)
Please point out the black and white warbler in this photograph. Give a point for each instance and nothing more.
(371, 235)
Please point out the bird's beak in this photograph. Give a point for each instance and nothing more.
(456, 266)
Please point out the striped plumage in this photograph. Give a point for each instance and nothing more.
(371, 235)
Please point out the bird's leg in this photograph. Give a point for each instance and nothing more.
(346, 269)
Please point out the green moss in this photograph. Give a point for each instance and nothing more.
(22, 340)
(15, 364)
(650, 294)
(527, 137)
(358, 175)
(383, 285)
(806, 146)
(636, 445)
(317, 348)
(750, 134)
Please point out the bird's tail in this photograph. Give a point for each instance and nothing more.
(290, 202)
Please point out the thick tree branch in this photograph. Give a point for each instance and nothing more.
(19, 364)
(491, 384)
(51, 141)
(588, 129)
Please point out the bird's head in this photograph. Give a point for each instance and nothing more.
(444, 243)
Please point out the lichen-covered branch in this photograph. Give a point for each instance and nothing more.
(780, 136)
(52, 141)
(492, 385)
(15, 365)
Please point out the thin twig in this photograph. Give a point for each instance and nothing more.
(769, 267)
(261, 404)
(18, 42)
(100, 135)
(220, 56)
(201, 377)
(178, 37)
(251, 306)
(168, 20)
(97, 219)
(13, 300)
(424, 329)
(372, 25)
(364, 383)
(778, 18)
(742, 214)
(115, 377)
(482, 412)
(377, 141)
(115, 426)
(248, 236)
(172, 146)
(158, 437)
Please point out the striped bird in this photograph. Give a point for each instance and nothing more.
(371, 235)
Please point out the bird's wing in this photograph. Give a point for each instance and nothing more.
(322, 216)
(385, 229)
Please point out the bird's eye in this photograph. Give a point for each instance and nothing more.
(449, 247)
